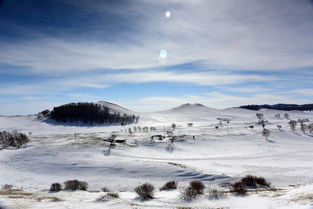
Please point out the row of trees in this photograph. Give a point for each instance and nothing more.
(90, 113)
(303, 127)
(292, 124)
(138, 129)
(13, 139)
(285, 107)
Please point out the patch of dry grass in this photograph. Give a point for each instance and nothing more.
(21, 194)
(50, 199)
(303, 197)
(15, 192)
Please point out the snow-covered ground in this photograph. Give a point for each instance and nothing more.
(214, 156)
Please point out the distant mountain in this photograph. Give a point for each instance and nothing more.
(190, 108)
(286, 107)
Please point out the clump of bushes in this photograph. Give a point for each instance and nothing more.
(113, 195)
(188, 194)
(254, 181)
(198, 186)
(195, 189)
(171, 185)
(107, 197)
(145, 191)
(105, 189)
(249, 181)
(73, 185)
(13, 139)
(239, 188)
(215, 194)
(55, 187)
(7, 187)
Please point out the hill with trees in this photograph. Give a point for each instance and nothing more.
(89, 113)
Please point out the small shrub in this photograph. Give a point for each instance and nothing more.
(105, 189)
(239, 188)
(254, 181)
(145, 191)
(56, 199)
(188, 194)
(198, 186)
(55, 187)
(103, 198)
(73, 185)
(215, 194)
(7, 187)
(266, 133)
(107, 197)
(171, 185)
(113, 195)
(263, 182)
(249, 181)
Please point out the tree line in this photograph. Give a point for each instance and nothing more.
(286, 107)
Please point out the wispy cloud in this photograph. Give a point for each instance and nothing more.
(105, 79)
(244, 47)
(243, 35)
(306, 92)
(247, 89)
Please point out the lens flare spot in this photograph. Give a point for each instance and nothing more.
(168, 14)
(163, 53)
(163, 56)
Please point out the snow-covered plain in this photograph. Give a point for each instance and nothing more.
(215, 156)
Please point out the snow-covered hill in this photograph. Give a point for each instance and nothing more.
(114, 108)
(201, 152)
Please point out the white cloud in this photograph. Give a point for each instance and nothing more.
(199, 78)
(248, 89)
(242, 34)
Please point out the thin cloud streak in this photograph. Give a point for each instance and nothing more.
(106, 80)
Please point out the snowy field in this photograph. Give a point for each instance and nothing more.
(201, 152)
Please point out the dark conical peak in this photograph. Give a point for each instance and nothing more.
(189, 106)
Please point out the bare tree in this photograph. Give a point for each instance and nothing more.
(266, 133)
(259, 116)
(189, 124)
(279, 127)
(286, 115)
(262, 123)
(173, 126)
(310, 127)
(303, 126)
(221, 120)
(293, 125)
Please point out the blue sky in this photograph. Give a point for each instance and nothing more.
(151, 55)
